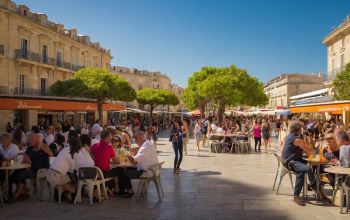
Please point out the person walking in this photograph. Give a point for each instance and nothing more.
(176, 137)
(266, 134)
(257, 135)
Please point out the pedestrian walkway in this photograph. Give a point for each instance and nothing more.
(211, 186)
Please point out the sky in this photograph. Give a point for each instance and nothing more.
(179, 37)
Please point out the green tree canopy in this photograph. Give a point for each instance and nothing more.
(95, 83)
(342, 84)
(156, 97)
(193, 97)
(226, 86)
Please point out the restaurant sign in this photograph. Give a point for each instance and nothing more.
(58, 105)
(335, 108)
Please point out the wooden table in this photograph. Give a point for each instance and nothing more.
(337, 170)
(317, 163)
(7, 169)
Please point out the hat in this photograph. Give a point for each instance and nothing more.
(96, 129)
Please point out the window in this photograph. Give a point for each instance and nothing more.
(341, 60)
(59, 57)
(333, 64)
(24, 48)
(22, 81)
(343, 42)
(44, 54)
(74, 59)
(42, 86)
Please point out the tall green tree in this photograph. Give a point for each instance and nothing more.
(156, 97)
(342, 84)
(193, 97)
(227, 86)
(95, 83)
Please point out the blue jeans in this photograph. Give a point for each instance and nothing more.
(300, 169)
(178, 150)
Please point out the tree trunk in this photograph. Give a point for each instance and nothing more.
(151, 113)
(202, 110)
(221, 111)
(100, 111)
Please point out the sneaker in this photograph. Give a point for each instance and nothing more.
(298, 200)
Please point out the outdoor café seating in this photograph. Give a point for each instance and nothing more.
(154, 176)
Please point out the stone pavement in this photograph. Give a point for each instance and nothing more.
(211, 186)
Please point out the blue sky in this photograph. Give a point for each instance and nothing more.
(178, 37)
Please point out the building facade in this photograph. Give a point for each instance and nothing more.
(140, 79)
(281, 88)
(338, 50)
(35, 53)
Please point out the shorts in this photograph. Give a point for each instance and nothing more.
(57, 179)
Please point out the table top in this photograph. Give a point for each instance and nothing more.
(16, 166)
(228, 135)
(337, 170)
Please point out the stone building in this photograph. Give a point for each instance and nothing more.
(140, 79)
(338, 50)
(281, 88)
(36, 52)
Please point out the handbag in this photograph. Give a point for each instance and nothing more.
(73, 176)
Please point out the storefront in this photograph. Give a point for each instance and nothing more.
(340, 108)
(31, 111)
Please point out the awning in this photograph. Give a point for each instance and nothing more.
(137, 110)
(336, 107)
(57, 105)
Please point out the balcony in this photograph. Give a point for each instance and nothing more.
(35, 58)
(4, 90)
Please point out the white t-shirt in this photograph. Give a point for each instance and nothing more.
(84, 131)
(146, 156)
(10, 152)
(49, 139)
(220, 131)
(83, 159)
(213, 128)
(63, 162)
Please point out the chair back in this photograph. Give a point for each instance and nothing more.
(155, 169)
(41, 173)
(88, 173)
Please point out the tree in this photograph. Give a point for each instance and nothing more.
(156, 97)
(342, 84)
(227, 86)
(193, 97)
(97, 84)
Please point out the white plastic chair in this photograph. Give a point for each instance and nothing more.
(91, 177)
(281, 172)
(52, 192)
(345, 189)
(40, 182)
(155, 177)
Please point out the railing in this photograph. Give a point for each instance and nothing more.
(4, 90)
(2, 49)
(32, 56)
(331, 74)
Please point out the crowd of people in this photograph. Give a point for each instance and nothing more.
(69, 149)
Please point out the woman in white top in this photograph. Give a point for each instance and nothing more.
(69, 158)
